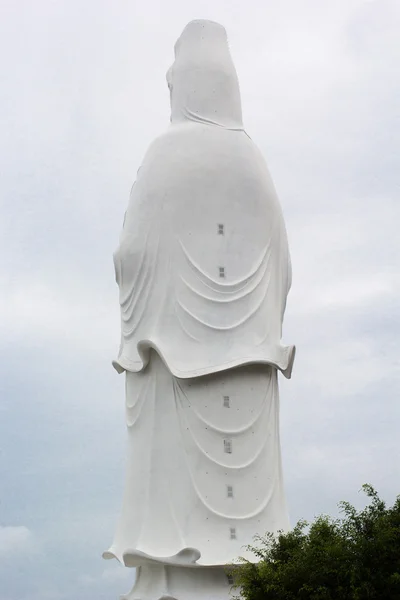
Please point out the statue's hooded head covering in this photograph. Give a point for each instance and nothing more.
(202, 80)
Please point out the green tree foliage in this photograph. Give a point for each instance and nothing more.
(356, 557)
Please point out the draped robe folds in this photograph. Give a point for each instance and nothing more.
(204, 271)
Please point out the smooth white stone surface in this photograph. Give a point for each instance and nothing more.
(176, 507)
(197, 175)
(161, 582)
(204, 270)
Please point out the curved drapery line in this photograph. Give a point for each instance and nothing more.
(222, 327)
(183, 326)
(212, 427)
(137, 407)
(144, 385)
(128, 294)
(136, 295)
(194, 117)
(144, 262)
(226, 287)
(132, 294)
(250, 515)
(230, 299)
(241, 321)
(238, 517)
(129, 332)
(174, 518)
(245, 465)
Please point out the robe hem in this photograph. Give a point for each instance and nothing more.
(188, 557)
(123, 363)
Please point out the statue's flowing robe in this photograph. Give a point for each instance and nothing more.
(204, 271)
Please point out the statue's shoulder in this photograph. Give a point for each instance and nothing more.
(163, 140)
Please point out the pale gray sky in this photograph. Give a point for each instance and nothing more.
(83, 93)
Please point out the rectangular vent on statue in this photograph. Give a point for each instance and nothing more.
(228, 446)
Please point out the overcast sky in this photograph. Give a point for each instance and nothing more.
(83, 93)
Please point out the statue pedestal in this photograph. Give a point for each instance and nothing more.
(165, 582)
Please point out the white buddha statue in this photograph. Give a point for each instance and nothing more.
(204, 270)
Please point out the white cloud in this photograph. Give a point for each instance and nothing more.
(41, 309)
(113, 574)
(45, 591)
(16, 541)
(118, 573)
